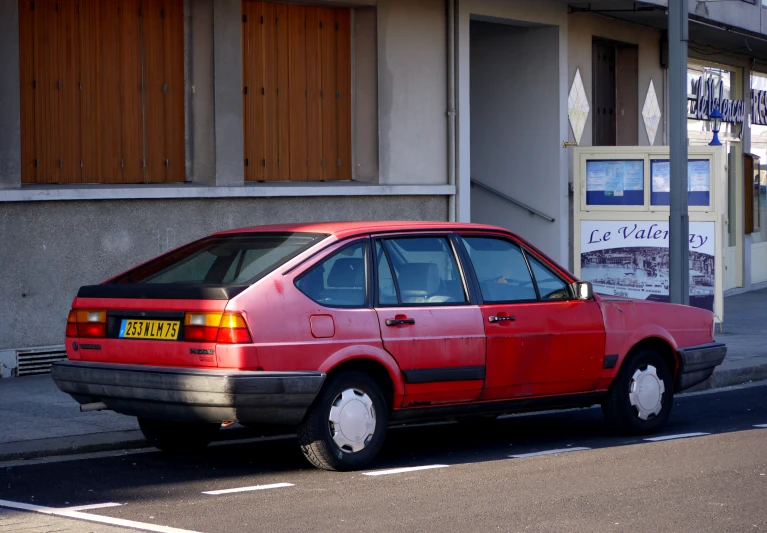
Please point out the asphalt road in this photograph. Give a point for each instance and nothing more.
(481, 478)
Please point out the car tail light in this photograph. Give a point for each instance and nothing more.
(87, 323)
(223, 328)
(233, 330)
(72, 324)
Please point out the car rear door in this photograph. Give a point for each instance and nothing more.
(540, 340)
(428, 322)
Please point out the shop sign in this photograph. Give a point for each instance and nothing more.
(707, 95)
(759, 107)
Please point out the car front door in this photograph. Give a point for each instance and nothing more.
(428, 322)
(540, 340)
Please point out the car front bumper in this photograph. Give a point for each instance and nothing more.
(697, 363)
(189, 394)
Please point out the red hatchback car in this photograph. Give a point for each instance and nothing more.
(340, 329)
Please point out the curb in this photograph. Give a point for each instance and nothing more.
(93, 442)
(735, 373)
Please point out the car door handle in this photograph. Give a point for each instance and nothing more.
(501, 319)
(399, 321)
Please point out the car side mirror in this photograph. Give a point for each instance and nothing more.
(583, 290)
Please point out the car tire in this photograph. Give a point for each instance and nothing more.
(178, 438)
(346, 425)
(640, 398)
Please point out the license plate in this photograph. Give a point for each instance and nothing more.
(166, 330)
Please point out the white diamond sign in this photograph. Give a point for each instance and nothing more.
(577, 106)
(651, 114)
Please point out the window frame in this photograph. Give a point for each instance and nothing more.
(465, 277)
(525, 250)
(366, 241)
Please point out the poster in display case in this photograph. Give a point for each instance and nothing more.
(615, 182)
(698, 182)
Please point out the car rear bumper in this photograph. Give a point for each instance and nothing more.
(697, 363)
(189, 394)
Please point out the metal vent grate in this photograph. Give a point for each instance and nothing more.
(38, 360)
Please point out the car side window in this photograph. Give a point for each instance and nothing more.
(339, 280)
(501, 269)
(418, 271)
(550, 286)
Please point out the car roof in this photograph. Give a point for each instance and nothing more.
(346, 229)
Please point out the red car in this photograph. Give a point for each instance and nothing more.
(340, 329)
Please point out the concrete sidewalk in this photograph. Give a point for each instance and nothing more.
(36, 419)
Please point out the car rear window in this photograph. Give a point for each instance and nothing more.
(237, 259)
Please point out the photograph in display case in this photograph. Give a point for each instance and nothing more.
(631, 259)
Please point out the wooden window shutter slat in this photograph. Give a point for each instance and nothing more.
(253, 78)
(282, 94)
(313, 98)
(329, 100)
(111, 128)
(68, 50)
(46, 95)
(344, 86)
(173, 48)
(269, 54)
(132, 158)
(298, 89)
(93, 145)
(27, 75)
(154, 99)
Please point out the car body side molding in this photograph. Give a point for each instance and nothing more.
(434, 375)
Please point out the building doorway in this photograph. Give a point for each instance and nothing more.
(518, 171)
(615, 82)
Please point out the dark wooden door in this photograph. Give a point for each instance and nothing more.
(603, 82)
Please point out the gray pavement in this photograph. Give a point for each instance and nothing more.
(562, 471)
(36, 419)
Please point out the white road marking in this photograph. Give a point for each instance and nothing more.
(549, 452)
(680, 436)
(403, 470)
(247, 489)
(93, 518)
(760, 425)
(93, 506)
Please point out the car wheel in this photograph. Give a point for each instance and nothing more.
(640, 398)
(178, 437)
(345, 427)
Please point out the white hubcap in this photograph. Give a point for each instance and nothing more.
(646, 392)
(352, 420)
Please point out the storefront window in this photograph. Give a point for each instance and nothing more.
(705, 83)
(759, 147)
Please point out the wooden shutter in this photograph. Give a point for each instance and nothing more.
(102, 91)
(296, 92)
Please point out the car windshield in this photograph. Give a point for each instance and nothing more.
(237, 259)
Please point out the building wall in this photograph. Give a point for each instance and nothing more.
(515, 126)
(412, 94)
(49, 249)
(582, 29)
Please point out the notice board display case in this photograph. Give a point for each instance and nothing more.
(621, 222)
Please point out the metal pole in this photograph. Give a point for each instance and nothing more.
(679, 222)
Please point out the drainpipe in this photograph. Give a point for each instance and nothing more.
(451, 137)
